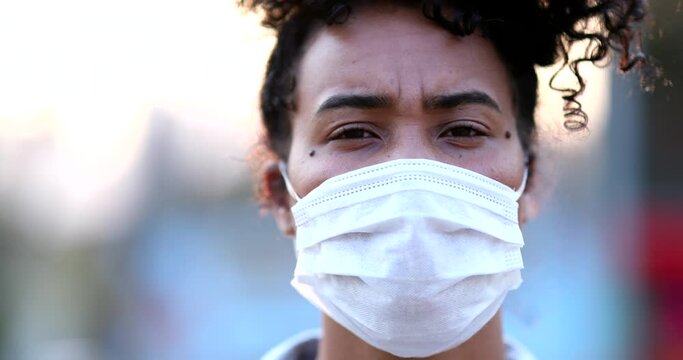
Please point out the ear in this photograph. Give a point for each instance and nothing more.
(529, 205)
(277, 199)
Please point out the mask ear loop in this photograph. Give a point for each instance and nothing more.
(290, 189)
(521, 188)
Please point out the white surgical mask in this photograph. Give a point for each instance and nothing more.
(413, 256)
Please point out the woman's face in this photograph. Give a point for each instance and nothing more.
(390, 84)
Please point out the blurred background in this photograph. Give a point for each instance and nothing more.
(129, 229)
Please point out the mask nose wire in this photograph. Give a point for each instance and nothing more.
(290, 189)
(288, 184)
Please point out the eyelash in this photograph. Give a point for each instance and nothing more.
(350, 132)
(356, 132)
(470, 131)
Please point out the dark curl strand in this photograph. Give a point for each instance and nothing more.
(526, 33)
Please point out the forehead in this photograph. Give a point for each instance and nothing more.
(397, 51)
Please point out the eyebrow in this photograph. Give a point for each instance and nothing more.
(355, 101)
(454, 100)
(371, 101)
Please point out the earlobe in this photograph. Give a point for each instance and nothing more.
(276, 199)
(528, 207)
(285, 221)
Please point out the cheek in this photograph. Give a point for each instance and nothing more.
(301, 169)
(509, 156)
(310, 163)
(512, 163)
(307, 166)
(504, 162)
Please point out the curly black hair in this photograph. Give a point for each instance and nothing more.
(526, 33)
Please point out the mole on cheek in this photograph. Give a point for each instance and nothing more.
(507, 135)
(312, 153)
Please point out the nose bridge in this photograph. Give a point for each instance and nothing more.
(411, 141)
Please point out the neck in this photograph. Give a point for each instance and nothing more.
(337, 343)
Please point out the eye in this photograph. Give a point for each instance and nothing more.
(466, 130)
(352, 132)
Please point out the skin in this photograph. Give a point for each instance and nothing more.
(389, 84)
